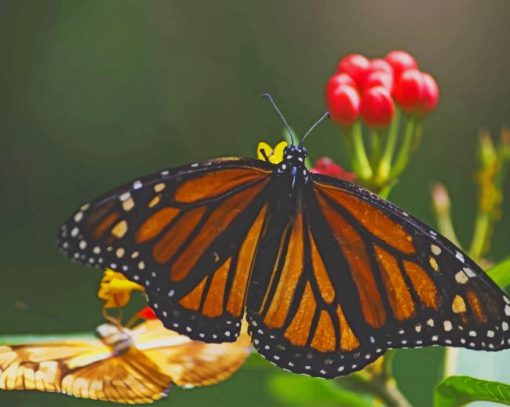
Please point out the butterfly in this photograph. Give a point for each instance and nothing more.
(131, 366)
(328, 274)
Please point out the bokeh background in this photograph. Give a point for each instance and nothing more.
(94, 93)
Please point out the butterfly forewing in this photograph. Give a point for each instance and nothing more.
(187, 235)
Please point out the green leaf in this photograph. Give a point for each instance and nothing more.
(500, 273)
(460, 390)
(307, 391)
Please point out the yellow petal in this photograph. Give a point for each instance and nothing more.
(277, 156)
(115, 289)
(266, 148)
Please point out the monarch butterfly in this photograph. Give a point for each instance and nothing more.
(124, 366)
(329, 274)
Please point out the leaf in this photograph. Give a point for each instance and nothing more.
(459, 390)
(307, 391)
(500, 273)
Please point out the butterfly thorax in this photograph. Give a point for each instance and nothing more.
(293, 164)
(118, 339)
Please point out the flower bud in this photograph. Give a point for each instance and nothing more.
(338, 80)
(378, 78)
(409, 90)
(377, 107)
(440, 198)
(400, 61)
(326, 166)
(356, 66)
(343, 105)
(430, 95)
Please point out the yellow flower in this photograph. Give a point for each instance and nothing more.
(115, 289)
(275, 154)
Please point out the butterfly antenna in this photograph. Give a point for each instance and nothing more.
(321, 119)
(267, 95)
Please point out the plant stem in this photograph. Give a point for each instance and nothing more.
(375, 147)
(383, 388)
(405, 150)
(383, 171)
(361, 165)
(480, 235)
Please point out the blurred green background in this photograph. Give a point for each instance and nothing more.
(94, 93)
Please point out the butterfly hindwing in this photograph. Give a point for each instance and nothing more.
(85, 369)
(190, 363)
(180, 233)
(151, 359)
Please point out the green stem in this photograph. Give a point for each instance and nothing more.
(480, 235)
(442, 208)
(385, 189)
(405, 150)
(375, 147)
(383, 171)
(380, 387)
(361, 165)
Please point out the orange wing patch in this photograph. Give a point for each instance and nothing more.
(155, 224)
(320, 273)
(210, 185)
(291, 272)
(324, 338)
(105, 225)
(299, 330)
(372, 219)
(193, 299)
(213, 306)
(168, 245)
(476, 306)
(423, 285)
(218, 221)
(237, 296)
(355, 252)
(348, 340)
(396, 288)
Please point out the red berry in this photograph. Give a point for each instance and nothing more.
(326, 166)
(343, 104)
(356, 66)
(378, 78)
(409, 90)
(377, 107)
(337, 80)
(380, 65)
(400, 61)
(430, 96)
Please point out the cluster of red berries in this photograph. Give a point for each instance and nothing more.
(371, 88)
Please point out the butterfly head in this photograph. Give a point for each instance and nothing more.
(294, 163)
(118, 339)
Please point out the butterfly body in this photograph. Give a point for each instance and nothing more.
(329, 274)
